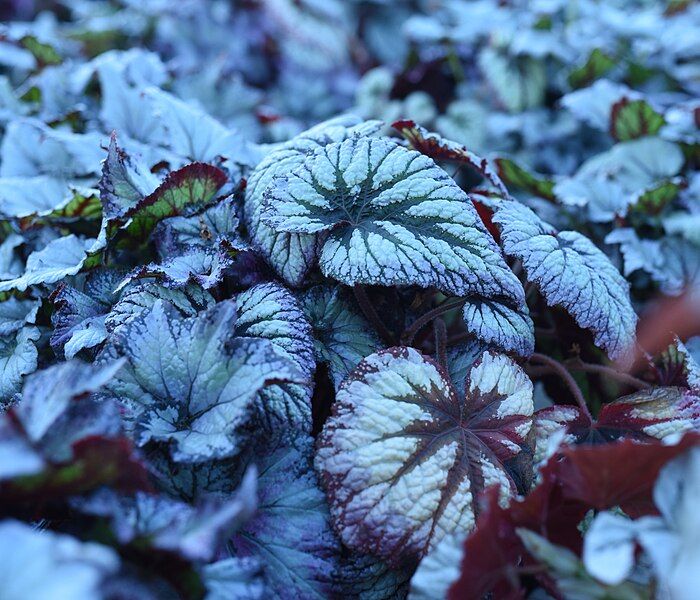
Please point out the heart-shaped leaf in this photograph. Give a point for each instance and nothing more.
(403, 458)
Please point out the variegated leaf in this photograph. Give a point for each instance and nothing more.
(501, 326)
(291, 255)
(389, 216)
(270, 312)
(342, 335)
(190, 382)
(403, 458)
(573, 273)
(660, 413)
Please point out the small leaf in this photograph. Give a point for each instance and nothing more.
(515, 175)
(653, 199)
(79, 316)
(270, 312)
(392, 217)
(44, 53)
(499, 325)
(18, 357)
(403, 459)
(597, 65)
(610, 545)
(519, 82)
(632, 119)
(342, 335)
(124, 182)
(573, 273)
(60, 258)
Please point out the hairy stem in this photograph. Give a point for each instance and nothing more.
(371, 314)
(440, 342)
(423, 320)
(570, 382)
(576, 364)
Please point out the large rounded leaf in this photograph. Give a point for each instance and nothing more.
(403, 458)
(392, 217)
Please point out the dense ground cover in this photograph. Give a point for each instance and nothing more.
(364, 299)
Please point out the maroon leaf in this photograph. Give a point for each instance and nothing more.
(438, 148)
(571, 483)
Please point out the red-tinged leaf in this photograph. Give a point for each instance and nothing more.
(665, 320)
(97, 461)
(572, 482)
(514, 175)
(401, 435)
(193, 186)
(494, 553)
(645, 416)
(491, 556)
(619, 474)
(439, 149)
(486, 215)
(632, 119)
(657, 412)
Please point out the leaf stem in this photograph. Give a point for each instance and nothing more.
(459, 337)
(576, 364)
(423, 320)
(560, 370)
(440, 342)
(372, 315)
